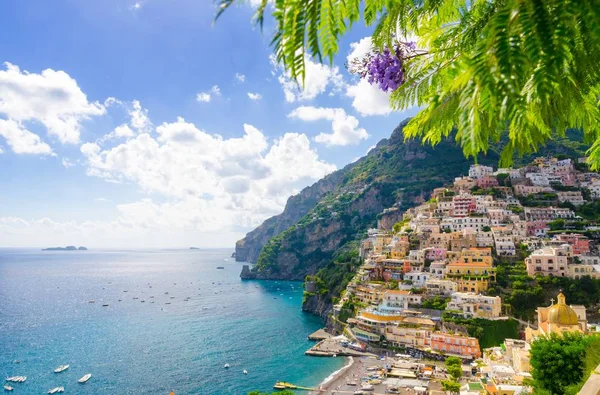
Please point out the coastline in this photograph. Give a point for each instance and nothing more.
(330, 380)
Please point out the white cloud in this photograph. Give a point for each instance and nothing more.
(66, 162)
(344, 127)
(369, 99)
(206, 97)
(318, 78)
(240, 77)
(21, 140)
(139, 118)
(123, 131)
(137, 6)
(360, 49)
(52, 98)
(203, 97)
(102, 200)
(254, 96)
(209, 182)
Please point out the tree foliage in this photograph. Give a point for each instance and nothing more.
(523, 69)
(560, 362)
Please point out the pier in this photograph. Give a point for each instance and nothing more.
(330, 347)
(321, 334)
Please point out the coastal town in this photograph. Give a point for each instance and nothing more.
(430, 285)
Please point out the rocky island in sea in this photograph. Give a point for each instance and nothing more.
(67, 248)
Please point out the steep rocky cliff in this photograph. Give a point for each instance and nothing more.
(297, 206)
(333, 214)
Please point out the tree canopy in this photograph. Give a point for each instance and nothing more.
(524, 71)
(562, 362)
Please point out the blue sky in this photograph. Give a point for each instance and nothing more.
(130, 123)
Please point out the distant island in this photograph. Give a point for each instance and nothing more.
(194, 248)
(67, 248)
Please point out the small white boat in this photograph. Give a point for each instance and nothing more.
(85, 378)
(226, 366)
(61, 368)
(17, 379)
(334, 355)
(56, 390)
(8, 388)
(245, 371)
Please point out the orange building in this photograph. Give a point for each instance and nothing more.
(459, 345)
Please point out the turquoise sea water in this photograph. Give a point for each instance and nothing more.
(150, 347)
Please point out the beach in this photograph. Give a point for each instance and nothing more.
(348, 379)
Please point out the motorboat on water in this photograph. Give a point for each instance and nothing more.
(226, 366)
(17, 379)
(56, 390)
(245, 371)
(85, 378)
(8, 388)
(61, 368)
(282, 385)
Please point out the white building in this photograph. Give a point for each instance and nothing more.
(476, 223)
(418, 279)
(398, 300)
(480, 171)
(436, 286)
(475, 305)
(573, 197)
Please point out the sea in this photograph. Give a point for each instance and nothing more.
(173, 320)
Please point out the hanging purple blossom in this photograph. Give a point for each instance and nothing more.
(384, 68)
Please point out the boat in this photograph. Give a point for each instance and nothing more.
(56, 390)
(226, 366)
(17, 379)
(8, 388)
(282, 385)
(61, 368)
(220, 267)
(105, 305)
(245, 371)
(85, 378)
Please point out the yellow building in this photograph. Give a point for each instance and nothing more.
(381, 240)
(558, 318)
(369, 294)
(399, 247)
(411, 331)
(473, 270)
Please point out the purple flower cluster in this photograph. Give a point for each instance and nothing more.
(385, 68)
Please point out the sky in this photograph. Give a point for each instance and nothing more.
(143, 124)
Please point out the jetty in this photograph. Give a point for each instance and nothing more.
(330, 347)
(319, 335)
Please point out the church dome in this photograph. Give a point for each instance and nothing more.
(561, 313)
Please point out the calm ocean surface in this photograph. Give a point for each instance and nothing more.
(150, 347)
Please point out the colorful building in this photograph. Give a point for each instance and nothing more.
(549, 261)
(475, 305)
(454, 344)
(558, 318)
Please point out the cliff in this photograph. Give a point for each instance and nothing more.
(297, 206)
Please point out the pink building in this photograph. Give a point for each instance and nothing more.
(487, 182)
(579, 243)
(463, 205)
(537, 228)
(435, 254)
(549, 261)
